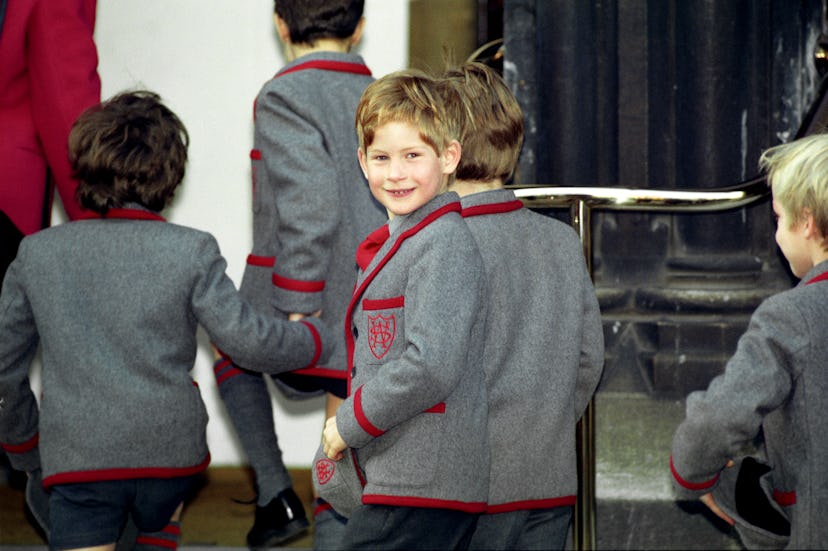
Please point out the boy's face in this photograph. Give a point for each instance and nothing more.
(403, 171)
(791, 236)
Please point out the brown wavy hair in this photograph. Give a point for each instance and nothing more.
(128, 149)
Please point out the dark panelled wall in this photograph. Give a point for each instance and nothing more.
(665, 94)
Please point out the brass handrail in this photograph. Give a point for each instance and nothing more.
(581, 201)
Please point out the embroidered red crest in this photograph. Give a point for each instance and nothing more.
(381, 333)
(325, 470)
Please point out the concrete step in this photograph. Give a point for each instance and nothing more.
(635, 504)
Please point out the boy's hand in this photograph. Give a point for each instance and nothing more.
(708, 500)
(332, 443)
(296, 316)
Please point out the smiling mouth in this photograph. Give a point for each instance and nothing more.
(399, 192)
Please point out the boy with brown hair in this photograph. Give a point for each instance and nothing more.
(114, 303)
(415, 415)
(544, 351)
(775, 384)
(311, 209)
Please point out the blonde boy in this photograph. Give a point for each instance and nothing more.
(416, 409)
(776, 383)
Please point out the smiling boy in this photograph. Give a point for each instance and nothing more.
(416, 410)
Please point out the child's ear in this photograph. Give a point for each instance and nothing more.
(362, 164)
(357, 36)
(281, 29)
(451, 157)
(809, 226)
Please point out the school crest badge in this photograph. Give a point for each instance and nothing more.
(324, 470)
(381, 333)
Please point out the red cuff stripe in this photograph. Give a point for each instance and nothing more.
(696, 486)
(363, 421)
(317, 342)
(26, 446)
(263, 261)
(298, 285)
(785, 499)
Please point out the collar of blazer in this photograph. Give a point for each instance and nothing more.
(126, 214)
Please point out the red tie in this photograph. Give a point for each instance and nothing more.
(368, 248)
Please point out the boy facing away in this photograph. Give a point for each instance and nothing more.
(114, 303)
(311, 209)
(775, 383)
(544, 351)
(416, 407)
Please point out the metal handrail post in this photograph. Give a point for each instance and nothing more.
(583, 524)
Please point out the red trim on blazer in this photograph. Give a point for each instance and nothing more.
(383, 303)
(24, 447)
(263, 261)
(328, 65)
(255, 154)
(785, 499)
(77, 477)
(362, 419)
(438, 408)
(691, 485)
(317, 342)
(349, 336)
(821, 277)
(493, 208)
(125, 214)
(297, 284)
(321, 372)
(548, 503)
(427, 502)
(324, 65)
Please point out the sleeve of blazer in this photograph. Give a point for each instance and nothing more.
(257, 341)
(725, 417)
(62, 63)
(18, 344)
(300, 171)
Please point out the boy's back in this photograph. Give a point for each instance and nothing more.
(544, 348)
(116, 304)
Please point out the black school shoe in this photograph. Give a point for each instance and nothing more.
(278, 521)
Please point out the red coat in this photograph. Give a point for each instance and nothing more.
(48, 76)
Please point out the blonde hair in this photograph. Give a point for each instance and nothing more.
(798, 175)
(491, 122)
(409, 96)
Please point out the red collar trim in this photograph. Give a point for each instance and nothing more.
(492, 208)
(327, 65)
(821, 277)
(128, 214)
(454, 206)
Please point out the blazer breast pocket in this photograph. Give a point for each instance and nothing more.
(384, 325)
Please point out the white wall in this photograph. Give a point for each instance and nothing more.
(207, 59)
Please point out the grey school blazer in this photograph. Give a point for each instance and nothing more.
(416, 410)
(777, 381)
(115, 304)
(544, 351)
